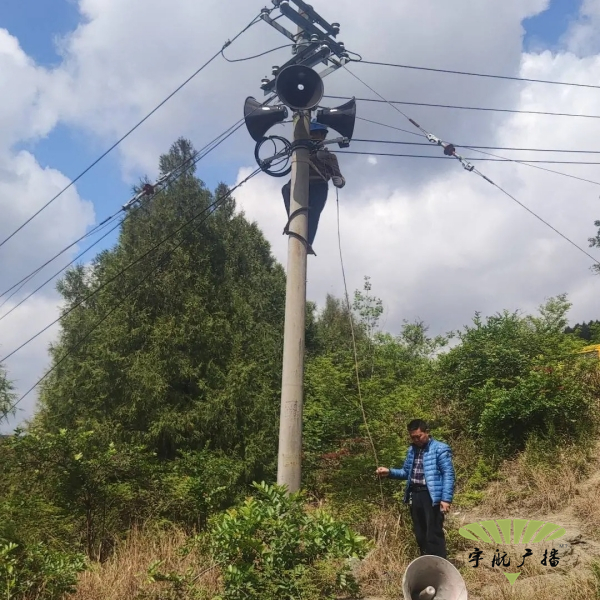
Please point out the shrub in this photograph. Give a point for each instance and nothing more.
(37, 572)
(271, 546)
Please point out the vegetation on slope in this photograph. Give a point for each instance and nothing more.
(135, 473)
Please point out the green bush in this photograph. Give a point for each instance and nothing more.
(551, 402)
(37, 572)
(270, 547)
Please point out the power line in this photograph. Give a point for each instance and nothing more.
(235, 60)
(204, 151)
(478, 108)
(561, 162)
(210, 60)
(58, 272)
(167, 255)
(507, 77)
(23, 281)
(537, 216)
(472, 147)
(392, 127)
(450, 150)
(520, 162)
(131, 264)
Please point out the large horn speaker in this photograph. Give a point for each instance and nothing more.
(341, 119)
(299, 87)
(433, 578)
(259, 119)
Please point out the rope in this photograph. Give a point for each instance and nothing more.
(360, 399)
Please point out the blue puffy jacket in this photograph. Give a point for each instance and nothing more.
(438, 468)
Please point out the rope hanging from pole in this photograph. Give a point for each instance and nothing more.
(360, 399)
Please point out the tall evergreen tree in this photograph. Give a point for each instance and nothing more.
(192, 357)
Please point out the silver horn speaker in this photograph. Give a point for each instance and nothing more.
(433, 578)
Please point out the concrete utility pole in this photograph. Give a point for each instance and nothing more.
(289, 463)
(301, 89)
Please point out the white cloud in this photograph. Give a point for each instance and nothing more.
(438, 242)
(28, 112)
(583, 34)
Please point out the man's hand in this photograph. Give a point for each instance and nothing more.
(338, 182)
(445, 507)
(382, 472)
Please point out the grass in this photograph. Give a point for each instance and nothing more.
(125, 575)
(538, 483)
(531, 484)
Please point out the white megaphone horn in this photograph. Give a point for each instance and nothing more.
(433, 578)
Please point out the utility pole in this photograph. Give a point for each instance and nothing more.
(301, 89)
(289, 462)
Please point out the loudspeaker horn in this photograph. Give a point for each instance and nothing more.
(433, 578)
(299, 87)
(259, 119)
(341, 119)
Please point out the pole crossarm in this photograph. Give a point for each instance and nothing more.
(314, 42)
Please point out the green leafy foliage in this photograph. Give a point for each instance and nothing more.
(37, 572)
(191, 358)
(552, 402)
(7, 397)
(496, 355)
(267, 546)
(169, 410)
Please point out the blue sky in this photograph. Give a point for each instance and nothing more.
(39, 23)
(127, 55)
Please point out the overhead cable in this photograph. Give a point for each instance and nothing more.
(549, 162)
(210, 60)
(477, 108)
(489, 75)
(450, 150)
(520, 162)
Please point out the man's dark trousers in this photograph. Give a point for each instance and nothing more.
(428, 522)
(317, 196)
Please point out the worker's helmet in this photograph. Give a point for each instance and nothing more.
(314, 126)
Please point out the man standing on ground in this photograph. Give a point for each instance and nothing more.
(430, 473)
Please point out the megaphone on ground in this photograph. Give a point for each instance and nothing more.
(433, 578)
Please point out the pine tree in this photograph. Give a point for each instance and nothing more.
(192, 357)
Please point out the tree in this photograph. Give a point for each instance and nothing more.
(589, 331)
(193, 354)
(595, 242)
(493, 376)
(7, 397)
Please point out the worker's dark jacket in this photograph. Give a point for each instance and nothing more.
(324, 166)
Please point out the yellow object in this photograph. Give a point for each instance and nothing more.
(591, 351)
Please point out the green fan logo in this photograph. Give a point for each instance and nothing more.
(511, 532)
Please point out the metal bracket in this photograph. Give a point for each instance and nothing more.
(310, 28)
(273, 23)
(313, 15)
(309, 56)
